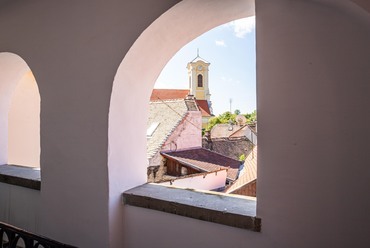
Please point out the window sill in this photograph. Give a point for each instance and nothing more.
(27, 177)
(231, 210)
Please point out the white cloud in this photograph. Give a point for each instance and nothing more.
(220, 43)
(243, 26)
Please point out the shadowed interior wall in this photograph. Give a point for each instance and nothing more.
(74, 50)
(312, 59)
(313, 98)
(312, 64)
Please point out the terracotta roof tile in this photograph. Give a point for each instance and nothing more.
(243, 131)
(239, 132)
(223, 131)
(204, 107)
(168, 94)
(248, 174)
(171, 94)
(205, 160)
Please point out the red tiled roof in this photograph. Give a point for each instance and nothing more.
(241, 132)
(248, 174)
(171, 94)
(205, 160)
(223, 131)
(204, 108)
(168, 94)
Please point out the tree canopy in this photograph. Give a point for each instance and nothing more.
(229, 117)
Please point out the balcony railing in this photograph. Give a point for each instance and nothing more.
(13, 237)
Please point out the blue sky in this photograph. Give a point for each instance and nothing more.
(230, 48)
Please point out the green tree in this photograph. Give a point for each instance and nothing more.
(212, 122)
(251, 117)
(228, 117)
(242, 158)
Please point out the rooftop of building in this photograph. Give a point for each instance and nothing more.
(248, 174)
(205, 160)
(172, 94)
(168, 94)
(198, 58)
(164, 117)
(226, 130)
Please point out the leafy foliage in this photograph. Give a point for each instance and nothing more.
(252, 117)
(242, 158)
(228, 117)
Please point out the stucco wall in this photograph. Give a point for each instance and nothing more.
(205, 181)
(312, 59)
(74, 50)
(312, 63)
(187, 134)
(20, 206)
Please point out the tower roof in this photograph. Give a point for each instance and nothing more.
(198, 58)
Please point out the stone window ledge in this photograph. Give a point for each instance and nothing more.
(23, 176)
(231, 210)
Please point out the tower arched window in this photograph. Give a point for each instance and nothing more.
(200, 80)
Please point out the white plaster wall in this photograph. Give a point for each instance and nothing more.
(312, 59)
(208, 181)
(198, 233)
(74, 50)
(24, 123)
(312, 63)
(20, 206)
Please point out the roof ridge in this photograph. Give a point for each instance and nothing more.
(202, 148)
(167, 100)
(168, 135)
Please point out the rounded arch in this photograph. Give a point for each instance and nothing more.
(200, 80)
(19, 112)
(134, 82)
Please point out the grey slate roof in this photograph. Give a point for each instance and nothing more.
(169, 115)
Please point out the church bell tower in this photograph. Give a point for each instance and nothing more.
(198, 78)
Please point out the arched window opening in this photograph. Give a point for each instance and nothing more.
(200, 80)
(19, 113)
(24, 123)
(128, 161)
(184, 113)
